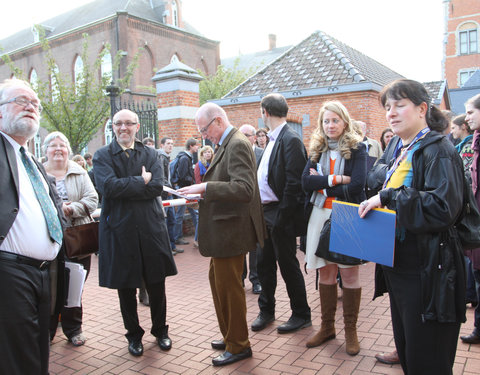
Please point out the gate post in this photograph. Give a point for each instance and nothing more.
(177, 100)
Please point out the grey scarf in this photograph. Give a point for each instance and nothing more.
(318, 199)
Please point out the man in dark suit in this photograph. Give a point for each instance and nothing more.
(279, 177)
(134, 243)
(230, 225)
(30, 237)
(250, 132)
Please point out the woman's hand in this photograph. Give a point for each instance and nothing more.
(67, 210)
(344, 179)
(365, 206)
(313, 172)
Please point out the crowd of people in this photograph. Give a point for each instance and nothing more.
(263, 191)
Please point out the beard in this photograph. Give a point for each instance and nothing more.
(20, 125)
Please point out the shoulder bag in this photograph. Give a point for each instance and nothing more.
(468, 224)
(81, 240)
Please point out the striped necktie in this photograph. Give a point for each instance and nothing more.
(49, 211)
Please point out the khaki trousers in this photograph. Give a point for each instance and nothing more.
(225, 276)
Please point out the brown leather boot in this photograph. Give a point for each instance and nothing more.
(328, 302)
(351, 305)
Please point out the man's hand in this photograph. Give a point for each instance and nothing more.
(194, 189)
(147, 176)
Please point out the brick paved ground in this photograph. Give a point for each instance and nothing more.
(193, 325)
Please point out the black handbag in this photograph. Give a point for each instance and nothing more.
(323, 248)
(468, 224)
(81, 240)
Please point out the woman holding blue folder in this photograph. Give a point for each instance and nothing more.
(424, 185)
(337, 169)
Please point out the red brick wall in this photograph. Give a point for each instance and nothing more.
(363, 106)
(459, 12)
(178, 129)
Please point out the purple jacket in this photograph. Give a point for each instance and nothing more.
(474, 254)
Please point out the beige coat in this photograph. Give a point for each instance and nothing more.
(231, 215)
(80, 189)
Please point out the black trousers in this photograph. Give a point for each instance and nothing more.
(71, 317)
(252, 265)
(280, 247)
(24, 319)
(158, 310)
(424, 348)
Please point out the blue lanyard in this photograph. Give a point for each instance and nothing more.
(399, 158)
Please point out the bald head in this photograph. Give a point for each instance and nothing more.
(211, 121)
(249, 132)
(211, 110)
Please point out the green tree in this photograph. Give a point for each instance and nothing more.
(223, 81)
(77, 109)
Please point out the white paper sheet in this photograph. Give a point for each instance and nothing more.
(76, 283)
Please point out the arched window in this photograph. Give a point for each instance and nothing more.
(33, 79)
(174, 13)
(78, 72)
(108, 132)
(53, 83)
(106, 69)
(467, 42)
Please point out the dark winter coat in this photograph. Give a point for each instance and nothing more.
(133, 234)
(354, 192)
(427, 212)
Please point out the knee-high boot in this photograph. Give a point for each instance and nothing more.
(328, 303)
(351, 305)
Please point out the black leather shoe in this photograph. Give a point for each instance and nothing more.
(472, 338)
(164, 341)
(257, 288)
(143, 297)
(294, 324)
(262, 321)
(218, 344)
(135, 348)
(226, 358)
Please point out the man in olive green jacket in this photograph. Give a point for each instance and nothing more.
(230, 225)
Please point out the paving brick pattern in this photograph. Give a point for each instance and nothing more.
(193, 326)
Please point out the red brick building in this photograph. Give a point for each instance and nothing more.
(462, 50)
(155, 25)
(319, 69)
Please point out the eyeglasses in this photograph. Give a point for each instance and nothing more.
(204, 130)
(54, 145)
(24, 102)
(126, 123)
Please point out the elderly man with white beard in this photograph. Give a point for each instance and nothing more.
(30, 236)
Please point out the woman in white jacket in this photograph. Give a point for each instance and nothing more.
(79, 196)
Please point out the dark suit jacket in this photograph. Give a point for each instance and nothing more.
(9, 203)
(258, 154)
(231, 216)
(285, 169)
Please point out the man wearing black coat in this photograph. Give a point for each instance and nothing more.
(134, 241)
(279, 178)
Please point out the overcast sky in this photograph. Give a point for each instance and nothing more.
(407, 35)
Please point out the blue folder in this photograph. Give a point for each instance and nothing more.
(371, 238)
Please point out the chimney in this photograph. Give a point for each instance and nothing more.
(272, 41)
